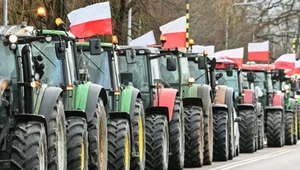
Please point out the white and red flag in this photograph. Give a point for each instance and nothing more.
(144, 40)
(91, 20)
(285, 61)
(200, 48)
(235, 55)
(175, 32)
(258, 51)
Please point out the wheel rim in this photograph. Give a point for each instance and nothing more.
(82, 155)
(61, 144)
(42, 157)
(127, 152)
(141, 139)
(101, 143)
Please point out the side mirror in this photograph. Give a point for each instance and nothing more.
(60, 50)
(171, 63)
(229, 70)
(202, 62)
(130, 56)
(219, 75)
(95, 46)
(250, 77)
(237, 119)
(126, 78)
(281, 74)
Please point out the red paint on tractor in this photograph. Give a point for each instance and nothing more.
(248, 96)
(167, 99)
(277, 99)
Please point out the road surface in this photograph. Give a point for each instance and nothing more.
(285, 158)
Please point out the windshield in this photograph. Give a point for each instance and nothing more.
(138, 70)
(53, 66)
(98, 68)
(7, 62)
(199, 75)
(168, 76)
(231, 81)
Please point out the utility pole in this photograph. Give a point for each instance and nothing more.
(129, 25)
(5, 12)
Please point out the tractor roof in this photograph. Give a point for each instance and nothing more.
(147, 50)
(86, 44)
(258, 67)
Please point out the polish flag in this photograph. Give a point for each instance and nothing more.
(175, 32)
(286, 61)
(91, 20)
(200, 48)
(144, 40)
(297, 67)
(235, 55)
(258, 51)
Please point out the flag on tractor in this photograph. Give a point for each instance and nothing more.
(144, 40)
(286, 61)
(258, 51)
(235, 55)
(91, 20)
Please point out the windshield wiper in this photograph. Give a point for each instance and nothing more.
(93, 62)
(44, 55)
(200, 76)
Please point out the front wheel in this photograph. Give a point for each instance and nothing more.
(221, 136)
(274, 129)
(247, 131)
(289, 128)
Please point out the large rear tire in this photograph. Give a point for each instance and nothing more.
(298, 120)
(289, 128)
(176, 137)
(194, 141)
(29, 146)
(260, 125)
(157, 142)
(97, 135)
(119, 145)
(57, 141)
(221, 135)
(77, 137)
(247, 131)
(138, 127)
(274, 129)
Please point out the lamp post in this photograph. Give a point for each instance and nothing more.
(227, 18)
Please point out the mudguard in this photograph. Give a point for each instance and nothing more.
(245, 106)
(166, 98)
(128, 98)
(204, 92)
(158, 110)
(95, 91)
(78, 113)
(216, 107)
(229, 99)
(122, 115)
(277, 99)
(220, 95)
(135, 95)
(290, 105)
(267, 108)
(192, 101)
(30, 117)
(50, 96)
(248, 97)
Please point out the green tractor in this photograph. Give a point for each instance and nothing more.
(126, 137)
(164, 110)
(225, 138)
(295, 91)
(33, 124)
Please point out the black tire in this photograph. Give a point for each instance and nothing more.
(231, 138)
(157, 142)
(289, 128)
(260, 125)
(97, 136)
(247, 131)
(274, 129)
(194, 137)
(295, 125)
(237, 151)
(57, 138)
(221, 136)
(298, 120)
(176, 137)
(119, 144)
(138, 128)
(29, 146)
(77, 137)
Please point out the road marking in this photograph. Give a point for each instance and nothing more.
(251, 160)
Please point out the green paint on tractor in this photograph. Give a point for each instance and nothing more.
(82, 95)
(126, 96)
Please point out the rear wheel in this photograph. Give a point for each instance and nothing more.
(157, 142)
(97, 134)
(176, 137)
(77, 145)
(298, 120)
(57, 141)
(138, 127)
(260, 126)
(221, 135)
(119, 142)
(247, 131)
(274, 129)
(29, 146)
(194, 141)
(289, 128)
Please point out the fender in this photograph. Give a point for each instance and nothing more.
(216, 107)
(290, 104)
(158, 110)
(81, 97)
(50, 96)
(192, 101)
(248, 97)
(126, 99)
(135, 95)
(229, 99)
(166, 99)
(30, 117)
(193, 96)
(95, 91)
(204, 92)
(122, 115)
(78, 113)
(245, 106)
(273, 108)
(220, 95)
(277, 99)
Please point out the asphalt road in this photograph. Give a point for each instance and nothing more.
(285, 158)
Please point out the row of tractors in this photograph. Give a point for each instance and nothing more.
(91, 105)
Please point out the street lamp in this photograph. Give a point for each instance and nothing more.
(227, 20)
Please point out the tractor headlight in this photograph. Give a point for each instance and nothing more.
(13, 39)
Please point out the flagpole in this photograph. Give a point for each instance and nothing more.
(129, 25)
(187, 24)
